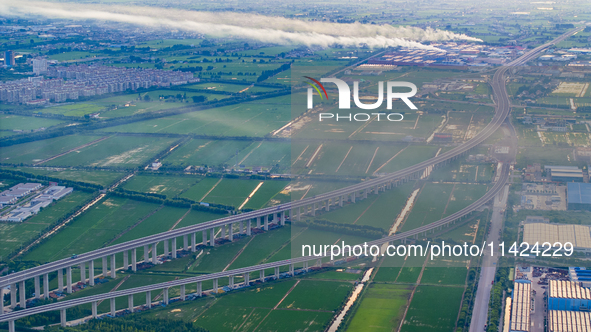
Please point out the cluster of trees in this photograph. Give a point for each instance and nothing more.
(134, 325)
(268, 73)
(584, 109)
(502, 283)
(467, 306)
(533, 90)
(191, 69)
(329, 226)
(565, 26)
(566, 107)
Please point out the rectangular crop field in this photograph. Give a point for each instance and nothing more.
(94, 229)
(421, 315)
(381, 308)
(31, 152)
(16, 122)
(254, 119)
(115, 151)
(200, 152)
(168, 185)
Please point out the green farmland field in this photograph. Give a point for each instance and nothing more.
(38, 150)
(316, 295)
(168, 185)
(93, 229)
(115, 151)
(253, 308)
(15, 122)
(199, 152)
(380, 309)
(249, 119)
(421, 316)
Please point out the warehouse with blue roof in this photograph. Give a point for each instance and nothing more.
(578, 196)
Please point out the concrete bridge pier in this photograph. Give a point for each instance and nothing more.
(130, 302)
(2, 306)
(182, 292)
(60, 276)
(165, 242)
(193, 242)
(63, 317)
(113, 308)
(113, 262)
(282, 218)
(231, 231)
(23, 295)
(248, 227)
(90, 275)
(173, 249)
(37, 288)
(216, 287)
(277, 272)
(69, 280)
(246, 279)
(94, 309)
(212, 237)
(185, 242)
(149, 299)
(204, 237)
(223, 232)
(165, 297)
(11, 326)
(134, 259)
(146, 254)
(154, 253)
(262, 275)
(199, 289)
(266, 226)
(125, 260)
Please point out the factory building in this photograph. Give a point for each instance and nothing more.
(540, 232)
(565, 173)
(568, 295)
(578, 196)
(569, 321)
(521, 306)
(33, 206)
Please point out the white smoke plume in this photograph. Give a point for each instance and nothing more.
(275, 30)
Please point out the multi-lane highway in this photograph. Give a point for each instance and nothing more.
(502, 110)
